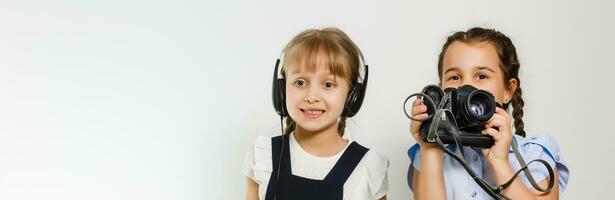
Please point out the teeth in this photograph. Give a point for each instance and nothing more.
(313, 112)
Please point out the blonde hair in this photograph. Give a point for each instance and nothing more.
(341, 55)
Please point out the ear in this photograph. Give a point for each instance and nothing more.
(512, 87)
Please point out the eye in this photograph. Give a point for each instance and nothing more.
(453, 78)
(482, 76)
(300, 83)
(329, 84)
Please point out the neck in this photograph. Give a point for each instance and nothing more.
(322, 143)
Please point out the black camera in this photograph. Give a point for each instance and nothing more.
(457, 115)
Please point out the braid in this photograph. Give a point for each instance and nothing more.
(290, 126)
(341, 126)
(517, 103)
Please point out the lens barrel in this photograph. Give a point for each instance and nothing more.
(473, 106)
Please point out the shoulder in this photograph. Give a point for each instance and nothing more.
(540, 144)
(540, 139)
(262, 147)
(544, 147)
(374, 160)
(374, 166)
(258, 163)
(414, 155)
(413, 150)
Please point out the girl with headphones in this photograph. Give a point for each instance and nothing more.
(316, 88)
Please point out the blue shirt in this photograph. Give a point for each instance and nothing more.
(459, 184)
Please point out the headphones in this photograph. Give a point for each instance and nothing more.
(353, 100)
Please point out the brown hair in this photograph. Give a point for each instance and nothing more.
(340, 53)
(509, 64)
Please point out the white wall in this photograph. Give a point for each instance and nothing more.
(160, 100)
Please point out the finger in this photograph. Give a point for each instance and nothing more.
(421, 116)
(500, 116)
(497, 135)
(416, 125)
(417, 102)
(493, 133)
(418, 109)
(502, 113)
(500, 110)
(495, 123)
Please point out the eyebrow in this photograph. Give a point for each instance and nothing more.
(475, 67)
(328, 76)
(451, 69)
(485, 68)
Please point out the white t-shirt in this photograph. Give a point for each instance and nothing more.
(368, 180)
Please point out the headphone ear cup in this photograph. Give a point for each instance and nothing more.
(354, 100)
(282, 97)
(278, 94)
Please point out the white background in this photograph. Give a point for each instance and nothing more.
(128, 99)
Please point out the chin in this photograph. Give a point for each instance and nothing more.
(312, 126)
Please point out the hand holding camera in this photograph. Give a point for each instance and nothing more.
(499, 128)
(454, 116)
(419, 111)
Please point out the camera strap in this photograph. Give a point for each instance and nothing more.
(444, 115)
(437, 118)
(528, 174)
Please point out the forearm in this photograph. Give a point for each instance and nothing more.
(430, 180)
(516, 190)
(251, 189)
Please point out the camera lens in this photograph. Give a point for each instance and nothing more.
(474, 106)
(477, 108)
(479, 104)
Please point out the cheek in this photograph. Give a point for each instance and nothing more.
(337, 100)
(497, 92)
(450, 84)
(293, 96)
(499, 99)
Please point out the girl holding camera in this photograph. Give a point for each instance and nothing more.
(487, 60)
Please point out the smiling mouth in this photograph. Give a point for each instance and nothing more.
(312, 113)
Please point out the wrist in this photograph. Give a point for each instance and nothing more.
(502, 172)
(430, 150)
(498, 164)
(497, 156)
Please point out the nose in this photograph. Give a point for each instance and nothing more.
(312, 100)
(312, 96)
(465, 81)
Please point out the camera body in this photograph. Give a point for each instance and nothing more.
(470, 109)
